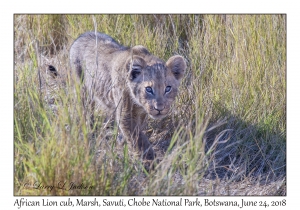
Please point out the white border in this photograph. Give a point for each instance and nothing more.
(154, 6)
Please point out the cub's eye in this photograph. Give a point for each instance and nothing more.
(168, 89)
(149, 90)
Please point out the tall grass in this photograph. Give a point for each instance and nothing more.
(227, 128)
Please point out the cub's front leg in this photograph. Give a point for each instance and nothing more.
(131, 127)
(145, 146)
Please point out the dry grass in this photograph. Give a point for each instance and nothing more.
(226, 135)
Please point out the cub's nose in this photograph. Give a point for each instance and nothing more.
(159, 107)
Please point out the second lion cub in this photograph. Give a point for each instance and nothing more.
(130, 83)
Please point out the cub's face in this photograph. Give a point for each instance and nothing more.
(154, 84)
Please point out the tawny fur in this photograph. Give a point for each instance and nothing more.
(117, 79)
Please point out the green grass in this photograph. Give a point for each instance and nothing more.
(228, 126)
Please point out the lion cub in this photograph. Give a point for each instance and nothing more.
(129, 83)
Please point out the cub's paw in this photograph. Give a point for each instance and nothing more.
(149, 154)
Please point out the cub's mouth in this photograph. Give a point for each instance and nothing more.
(158, 115)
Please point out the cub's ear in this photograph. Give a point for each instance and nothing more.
(135, 65)
(53, 71)
(177, 66)
(140, 50)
